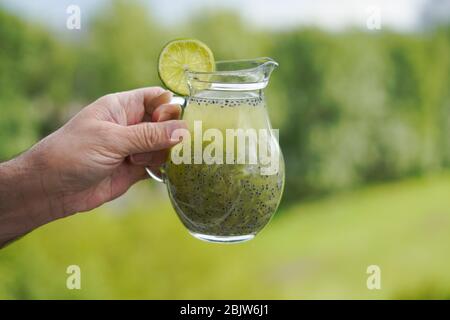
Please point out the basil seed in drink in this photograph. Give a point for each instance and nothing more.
(224, 200)
(221, 201)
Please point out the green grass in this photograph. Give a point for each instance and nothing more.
(137, 248)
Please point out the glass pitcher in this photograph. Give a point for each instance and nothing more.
(230, 199)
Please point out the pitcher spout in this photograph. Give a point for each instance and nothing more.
(267, 66)
(238, 75)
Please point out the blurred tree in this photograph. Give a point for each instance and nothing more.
(227, 35)
(34, 80)
(120, 52)
(352, 107)
(360, 108)
(299, 85)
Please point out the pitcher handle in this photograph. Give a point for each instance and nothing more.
(156, 176)
(159, 176)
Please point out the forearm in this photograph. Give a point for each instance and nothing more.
(25, 202)
(87, 161)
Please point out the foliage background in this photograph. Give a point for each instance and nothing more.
(364, 119)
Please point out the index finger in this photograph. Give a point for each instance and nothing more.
(153, 104)
(139, 103)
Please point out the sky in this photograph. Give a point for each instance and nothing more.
(333, 15)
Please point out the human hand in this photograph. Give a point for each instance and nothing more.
(104, 149)
(93, 158)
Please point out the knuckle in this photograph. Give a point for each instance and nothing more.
(151, 135)
(108, 98)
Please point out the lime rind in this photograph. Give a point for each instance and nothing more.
(180, 55)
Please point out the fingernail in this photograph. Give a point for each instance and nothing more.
(167, 95)
(162, 98)
(176, 129)
(163, 116)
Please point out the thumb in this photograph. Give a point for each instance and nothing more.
(151, 136)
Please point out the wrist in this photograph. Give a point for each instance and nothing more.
(27, 195)
(42, 180)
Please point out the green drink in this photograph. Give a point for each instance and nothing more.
(225, 202)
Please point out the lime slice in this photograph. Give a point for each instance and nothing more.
(180, 55)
